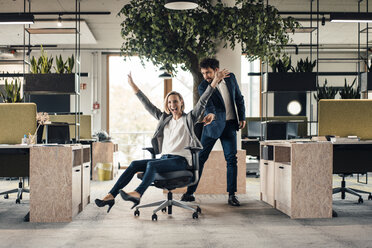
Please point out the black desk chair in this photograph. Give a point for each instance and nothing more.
(176, 179)
(58, 132)
(19, 159)
(343, 189)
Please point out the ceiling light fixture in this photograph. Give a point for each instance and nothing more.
(351, 17)
(59, 23)
(165, 75)
(17, 18)
(181, 4)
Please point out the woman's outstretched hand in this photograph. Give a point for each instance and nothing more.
(132, 84)
(218, 76)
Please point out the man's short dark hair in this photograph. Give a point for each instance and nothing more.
(209, 63)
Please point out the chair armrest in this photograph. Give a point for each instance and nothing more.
(151, 150)
(193, 149)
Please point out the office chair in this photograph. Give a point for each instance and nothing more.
(343, 189)
(175, 179)
(19, 159)
(58, 132)
(20, 190)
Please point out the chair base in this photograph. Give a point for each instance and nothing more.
(343, 190)
(168, 204)
(20, 190)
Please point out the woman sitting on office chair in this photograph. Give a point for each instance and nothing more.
(174, 132)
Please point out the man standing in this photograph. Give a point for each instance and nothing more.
(227, 104)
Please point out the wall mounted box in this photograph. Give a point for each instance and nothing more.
(50, 83)
(290, 81)
(366, 81)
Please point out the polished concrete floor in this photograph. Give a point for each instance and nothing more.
(254, 224)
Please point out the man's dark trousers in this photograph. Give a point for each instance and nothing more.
(228, 141)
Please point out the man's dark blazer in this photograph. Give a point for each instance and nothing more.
(216, 106)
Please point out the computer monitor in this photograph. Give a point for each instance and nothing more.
(292, 130)
(254, 129)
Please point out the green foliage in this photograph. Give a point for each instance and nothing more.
(60, 65)
(170, 37)
(44, 62)
(12, 92)
(305, 66)
(35, 66)
(348, 92)
(280, 65)
(325, 92)
(70, 64)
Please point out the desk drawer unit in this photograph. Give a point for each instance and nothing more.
(298, 181)
(86, 184)
(76, 190)
(267, 181)
(283, 187)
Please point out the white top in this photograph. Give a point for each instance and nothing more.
(176, 138)
(222, 87)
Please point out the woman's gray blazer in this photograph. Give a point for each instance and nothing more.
(189, 122)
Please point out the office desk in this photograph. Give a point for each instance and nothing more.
(355, 157)
(59, 178)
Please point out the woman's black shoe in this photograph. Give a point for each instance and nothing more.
(102, 203)
(127, 197)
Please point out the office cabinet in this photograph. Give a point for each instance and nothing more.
(298, 179)
(58, 184)
(267, 181)
(283, 187)
(76, 190)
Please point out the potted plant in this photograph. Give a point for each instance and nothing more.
(12, 92)
(43, 81)
(325, 92)
(302, 78)
(348, 92)
(366, 78)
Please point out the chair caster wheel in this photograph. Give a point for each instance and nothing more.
(370, 197)
(154, 217)
(6, 196)
(360, 200)
(164, 210)
(198, 209)
(334, 214)
(137, 213)
(195, 215)
(18, 201)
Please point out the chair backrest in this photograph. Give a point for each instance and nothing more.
(198, 129)
(17, 119)
(345, 117)
(85, 124)
(59, 133)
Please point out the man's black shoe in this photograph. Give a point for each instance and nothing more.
(187, 198)
(233, 201)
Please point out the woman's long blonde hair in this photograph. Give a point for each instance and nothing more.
(166, 101)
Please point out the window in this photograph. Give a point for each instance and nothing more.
(131, 126)
(250, 87)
